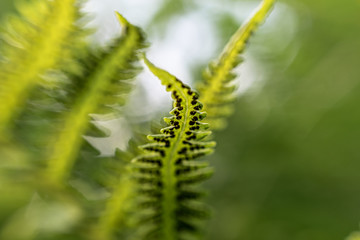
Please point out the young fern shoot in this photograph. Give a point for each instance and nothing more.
(168, 169)
(218, 87)
(106, 86)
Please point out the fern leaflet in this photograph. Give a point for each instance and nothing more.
(217, 89)
(107, 80)
(168, 168)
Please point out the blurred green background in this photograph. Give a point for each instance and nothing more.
(287, 167)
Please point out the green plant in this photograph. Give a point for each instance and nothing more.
(54, 84)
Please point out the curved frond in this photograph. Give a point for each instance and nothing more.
(168, 169)
(42, 36)
(217, 89)
(104, 84)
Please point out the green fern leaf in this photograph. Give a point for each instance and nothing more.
(43, 36)
(168, 169)
(106, 85)
(217, 89)
(114, 217)
(116, 220)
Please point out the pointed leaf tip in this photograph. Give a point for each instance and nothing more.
(158, 72)
(121, 19)
(146, 61)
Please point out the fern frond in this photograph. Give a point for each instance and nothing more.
(114, 217)
(34, 42)
(168, 169)
(115, 211)
(217, 89)
(106, 85)
(116, 221)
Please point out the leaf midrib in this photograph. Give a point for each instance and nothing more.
(169, 179)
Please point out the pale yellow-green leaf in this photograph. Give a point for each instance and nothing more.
(65, 147)
(35, 44)
(217, 89)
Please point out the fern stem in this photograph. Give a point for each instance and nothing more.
(168, 173)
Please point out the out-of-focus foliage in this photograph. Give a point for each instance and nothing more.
(42, 38)
(170, 9)
(40, 182)
(5, 7)
(217, 89)
(107, 76)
